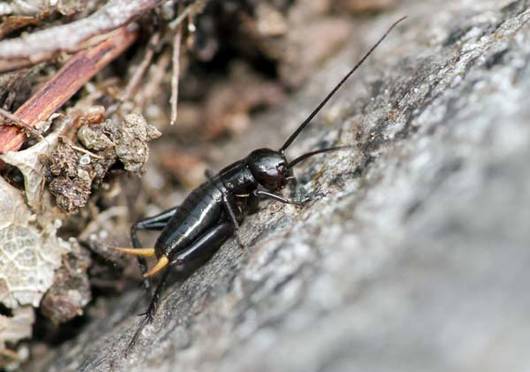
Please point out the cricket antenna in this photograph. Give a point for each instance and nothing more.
(293, 136)
(303, 157)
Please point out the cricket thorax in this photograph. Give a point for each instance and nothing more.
(238, 179)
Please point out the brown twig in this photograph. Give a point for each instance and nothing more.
(176, 73)
(84, 151)
(13, 23)
(156, 79)
(189, 11)
(13, 355)
(133, 84)
(13, 120)
(45, 44)
(68, 80)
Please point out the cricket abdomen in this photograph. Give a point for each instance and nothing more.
(200, 211)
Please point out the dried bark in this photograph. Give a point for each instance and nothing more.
(44, 44)
(72, 76)
(413, 254)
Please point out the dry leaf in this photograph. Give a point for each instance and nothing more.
(29, 253)
(27, 161)
(16, 327)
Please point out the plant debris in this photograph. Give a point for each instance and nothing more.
(28, 163)
(70, 291)
(29, 255)
(364, 6)
(130, 139)
(72, 174)
(26, 244)
(15, 326)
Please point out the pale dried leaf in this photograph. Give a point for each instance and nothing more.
(27, 161)
(29, 255)
(23, 7)
(16, 327)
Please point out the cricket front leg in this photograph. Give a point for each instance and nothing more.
(269, 195)
(232, 214)
(229, 207)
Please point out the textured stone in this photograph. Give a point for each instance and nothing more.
(413, 254)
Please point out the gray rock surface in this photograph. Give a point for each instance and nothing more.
(414, 254)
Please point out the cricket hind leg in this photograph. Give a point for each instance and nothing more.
(155, 223)
(201, 249)
(204, 246)
(149, 314)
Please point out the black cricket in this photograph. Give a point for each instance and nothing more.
(213, 212)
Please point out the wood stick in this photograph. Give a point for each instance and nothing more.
(45, 44)
(68, 80)
(176, 73)
(133, 84)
